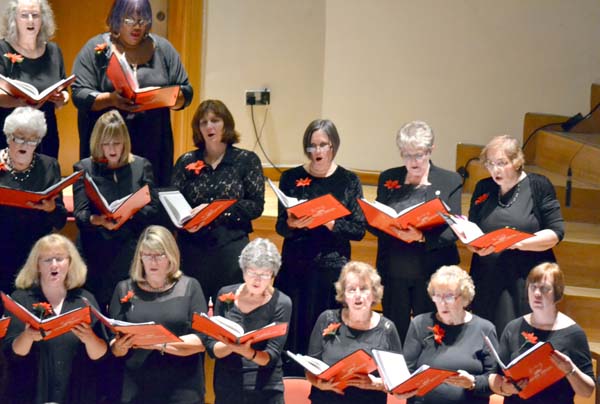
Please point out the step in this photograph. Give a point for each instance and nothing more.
(583, 305)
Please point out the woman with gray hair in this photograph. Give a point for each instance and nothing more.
(407, 260)
(22, 168)
(251, 373)
(451, 338)
(27, 26)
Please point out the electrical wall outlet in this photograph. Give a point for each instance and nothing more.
(258, 97)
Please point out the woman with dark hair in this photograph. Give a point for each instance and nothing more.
(27, 27)
(511, 197)
(155, 63)
(117, 173)
(218, 170)
(545, 286)
(312, 258)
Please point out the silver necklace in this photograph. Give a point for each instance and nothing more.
(512, 200)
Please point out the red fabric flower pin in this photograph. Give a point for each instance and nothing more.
(14, 57)
(127, 298)
(3, 166)
(481, 199)
(392, 184)
(44, 308)
(196, 166)
(530, 338)
(331, 329)
(101, 47)
(438, 333)
(303, 182)
(227, 297)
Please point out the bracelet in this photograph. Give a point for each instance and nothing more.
(571, 371)
(163, 348)
(254, 356)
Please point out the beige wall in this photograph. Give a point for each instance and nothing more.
(471, 68)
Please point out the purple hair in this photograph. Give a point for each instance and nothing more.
(128, 8)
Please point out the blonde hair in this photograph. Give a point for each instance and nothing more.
(364, 272)
(110, 127)
(509, 146)
(450, 274)
(29, 275)
(158, 239)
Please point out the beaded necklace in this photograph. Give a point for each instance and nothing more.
(512, 200)
(18, 176)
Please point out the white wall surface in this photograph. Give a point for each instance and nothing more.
(471, 68)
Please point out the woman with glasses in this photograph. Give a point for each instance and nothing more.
(452, 338)
(406, 260)
(62, 369)
(545, 287)
(251, 373)
(23, 169)
(340, 332)
(312, 258)
(158, 291)
(217, 169)
(511, 197)
(154, 62)
(117, 173)
(27, 55)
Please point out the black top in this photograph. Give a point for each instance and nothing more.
(570, 341)
(41, 73)
(96, 241)
(462, 347)
(150, 131)
(57, 370)
(332, 348)
(417, 260)
(320, 244)
(149, 376)
(235, 373)
(22, 227)
(238, 176)
(534, 208)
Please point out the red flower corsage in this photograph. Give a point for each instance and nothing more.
(227, 298)
(392, 184)
(3, 166)
(530, 338)
(14, 57)
(438, 334)
(44, 308)
(331, 329)
(303, 182)
(196, 166)
(127, 298)
(481, 199)
(101, 47)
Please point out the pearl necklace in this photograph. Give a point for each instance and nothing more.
(512, 200)
(18, 176)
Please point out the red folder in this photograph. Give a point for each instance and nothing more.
(214, 327)
(322, 209)
(4, 323)
(50, 327)
(20, 198)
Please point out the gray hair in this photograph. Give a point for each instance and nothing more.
(450, 274)
(8, 27)
(260, 253)
(25, 119)
(415, 134)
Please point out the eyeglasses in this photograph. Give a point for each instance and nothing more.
(416, 156)
(544, 288)
(448, 298)
(493, 164)
(131, 22)
(364, 291)
(50, 261)
(26, 16)
(20, 141)
(316, 147)
(257, 275)
(154, 257)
